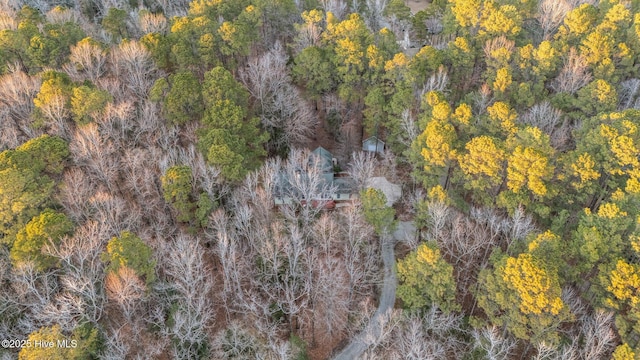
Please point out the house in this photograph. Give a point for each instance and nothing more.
(326, 162)
(373, 144)
(329, 190)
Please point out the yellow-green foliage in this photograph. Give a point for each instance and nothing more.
(43, 231)
(85, 342)
(88, 103)
(177, 186)
(623, 352)
(426, 279)
(376, 211)
(482, 163)
(25, 185)
(523, 294)
(128, 250)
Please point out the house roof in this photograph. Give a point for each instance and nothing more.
(373, 144)
(323, 153)
(326, 158)
(372, 139)
(330, 186)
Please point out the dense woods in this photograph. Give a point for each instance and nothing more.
(159, 197)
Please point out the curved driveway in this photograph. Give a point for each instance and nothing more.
(361, 342)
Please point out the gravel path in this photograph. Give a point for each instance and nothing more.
(361, 342)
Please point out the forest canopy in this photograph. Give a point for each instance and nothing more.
(190, 179)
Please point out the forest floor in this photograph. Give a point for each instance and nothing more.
(417, 5)
(321, 135)
(346, 139)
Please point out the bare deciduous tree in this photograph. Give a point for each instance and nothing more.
(573, 75)
(57, 112)
(125, 288)
(598, 334)
(279, 103)
(328, 272)
(235, 342)
(517, 227)
(74, 194)
(10, 136)
(362, 168)
(149, 125)
(60, 15)
(17, 91)
(228, 252)
(116, 345)
(438, 213)
(83, 270)
(307, 34)
(283, 277)
(628, 94)
(152, 23)
(375, 16)
(490, 340)
(410, 128)
(426, 336)
(551, 13)
(8, 22)
(551, 121)
(415, 344)
(361, 258)
(466, 242)
(437, 40)
(494, 48)
(337, 7)
(549, 352)
(593, 335)
(380, 335)
(32, 292)
(482, 99)
(206, 177)
(10, 7)
(330, 313)
(96, 154)
(436, 82)
(132, 61)
(116, 122)
(435, 25)
(86, 61)
(191, 281)
(114, 214)
(521, 224)
(141, 181)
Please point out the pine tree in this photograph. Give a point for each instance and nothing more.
(523, 294)
(426, 280)
(128, 250)
(376, 211)
(482, 164)
(44, 230)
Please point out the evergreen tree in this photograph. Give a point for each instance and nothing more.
(426, 279)
(128, 250)
(43, 230)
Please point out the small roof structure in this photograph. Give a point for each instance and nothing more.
(373, 144)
